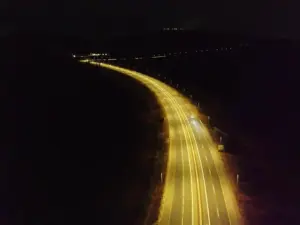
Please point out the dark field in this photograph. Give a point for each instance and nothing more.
(78, 147)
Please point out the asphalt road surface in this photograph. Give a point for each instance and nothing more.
(197, 189)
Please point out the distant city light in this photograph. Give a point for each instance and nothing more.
(160, 56)
(173, 28)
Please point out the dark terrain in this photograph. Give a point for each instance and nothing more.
(78, 145)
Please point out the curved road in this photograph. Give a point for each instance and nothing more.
(197, 190)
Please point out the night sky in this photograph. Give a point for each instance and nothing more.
(89, 18)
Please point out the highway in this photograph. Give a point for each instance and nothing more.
(197, 190)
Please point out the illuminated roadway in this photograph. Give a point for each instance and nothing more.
(197, 190)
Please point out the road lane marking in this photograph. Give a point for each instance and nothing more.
(222, 189)
(203, 176)
(221, 185)
(188, 155)
(214, 189)
(182, 213)
(218, 213)
(183, 127)
(191, 183)
(194, 139)
(193, 156)
(186, 133)
(206, 158)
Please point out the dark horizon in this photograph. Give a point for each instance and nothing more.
(91, 18)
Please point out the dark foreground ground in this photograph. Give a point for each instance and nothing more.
(78, 147)
(251, 93)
